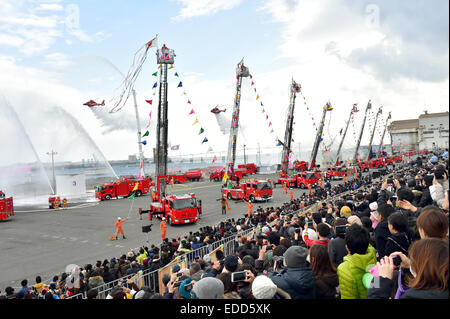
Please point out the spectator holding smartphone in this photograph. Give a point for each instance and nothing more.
(336, 247)
(326, 276)
(428, 266)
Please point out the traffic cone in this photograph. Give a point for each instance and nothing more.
(111, 238)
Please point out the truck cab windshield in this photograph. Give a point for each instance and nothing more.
(265, 185)
(184, 203)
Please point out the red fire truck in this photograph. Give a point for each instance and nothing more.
(304, 179)
(251, 168)
(178, 178)
(258, 190)
(365, 165)
(6, 206)
(377, 162)
(123, 188)
(194, 174)
(334, 172)
(300, 165)
(217, 175)
(52, 200)
(393, 159)
(177, 209)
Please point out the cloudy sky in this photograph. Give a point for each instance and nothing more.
(55, 55)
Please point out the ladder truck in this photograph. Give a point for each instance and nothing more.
(175, 209)
(358, 143)
(294, 88)
(370, 154)
(315, 149)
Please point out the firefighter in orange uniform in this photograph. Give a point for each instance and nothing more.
(292, 194)
(64, 203)
(250, 207)
(118, 225)
(56, 203)
(284, 188)
(163, 227)
(309, 189)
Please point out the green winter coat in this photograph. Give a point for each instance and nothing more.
(351, 271)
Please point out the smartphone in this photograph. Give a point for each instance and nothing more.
(390, 181)
(269, 247)
(238, 276)
(188, 287)
(396, 260)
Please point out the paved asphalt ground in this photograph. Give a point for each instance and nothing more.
(43, 242)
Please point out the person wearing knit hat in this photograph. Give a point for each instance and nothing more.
(208, 288)
(297, 278)
(231, 263)
(374, 214)
(346, 211)
(263, 288)
(354, 220)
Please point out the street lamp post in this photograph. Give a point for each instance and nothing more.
(52, 153)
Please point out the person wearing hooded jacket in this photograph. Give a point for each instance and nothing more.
(296, 278)
(351, 271)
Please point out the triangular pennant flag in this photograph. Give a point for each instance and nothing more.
(234, 124)
(150, 115)
(270, 123)
(189, 102)
(171, 66)
(155, 74)
(159, 66)
(161, 57)
(180, 84)
(149, 101)
(225, 177)
(191, 112)
(257, 97)
(144, 142)
(253, 83)
(167, 57)
(195, 122)
(251, 77)
(201, 131)
(146, 134)
(148, 124)
(176, 74)
(205, 140)
(214, 159)
(155, 85)
(267, 117)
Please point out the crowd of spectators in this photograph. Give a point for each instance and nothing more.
(397, 224)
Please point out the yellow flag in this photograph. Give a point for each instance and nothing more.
(135, 187)
(195, 122)
(149, 124)
(257, 97)
(225, 177)
(159, 66)
(171, 67)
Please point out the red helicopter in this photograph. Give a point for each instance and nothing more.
(217, 111)
(92, 103)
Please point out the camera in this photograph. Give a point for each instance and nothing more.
(341, 229)
(396, 260)
(238, 276)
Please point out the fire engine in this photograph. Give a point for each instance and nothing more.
(258, 190)
(364, 165)
(6, 206)
(52, 201)
(377, 162)
(304, 179)
(393, 159)
(300, 165)
(194, 175)
(178, 178)
(334, 172)
(123, 188)
(177, 209)
(251, 168)
(217, 175)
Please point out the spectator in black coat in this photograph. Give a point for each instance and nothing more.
(382, 230)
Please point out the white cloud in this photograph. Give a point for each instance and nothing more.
(50, 7)
(194, 8)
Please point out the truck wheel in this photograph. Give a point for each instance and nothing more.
(252, 198)
(229, 196)
(108, 197)
(138, 193)
(170, 220)
(366, 170)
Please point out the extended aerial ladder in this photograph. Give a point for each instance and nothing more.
(241, 72)
(353, 111)
(380, 151)
(164, 56)
(315, 149)
(294, 88)
(358, 143)
(369, 149)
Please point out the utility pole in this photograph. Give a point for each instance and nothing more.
(369, 155)
(380, 153)
(294, 88)
(241, 72)
(245, 158)
(164, 57)
(315, 149)
(358, 143)
(52, 153)
(354, 110)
